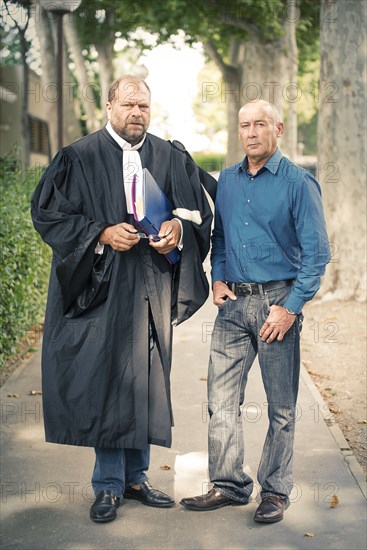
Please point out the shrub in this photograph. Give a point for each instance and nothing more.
(24, 260)
(210, 162)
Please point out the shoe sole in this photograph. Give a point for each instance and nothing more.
(102, 520)
(131, 497)
(195, 509)
(268, 520)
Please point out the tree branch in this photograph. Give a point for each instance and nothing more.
(226, 69)
(242, 25)
(26, 8)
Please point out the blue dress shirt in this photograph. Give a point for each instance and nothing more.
(270, 227)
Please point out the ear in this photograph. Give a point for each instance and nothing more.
(280, 129)
(108, 110)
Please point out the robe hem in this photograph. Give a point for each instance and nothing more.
(66, 440)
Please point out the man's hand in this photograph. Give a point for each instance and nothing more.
(170, 233)
(120, 237)
(278, 322)
(221, 292)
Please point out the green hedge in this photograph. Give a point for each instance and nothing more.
(24, 260)
(210, 162)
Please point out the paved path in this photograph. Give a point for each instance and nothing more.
(46, 492)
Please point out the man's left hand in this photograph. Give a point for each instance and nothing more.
(170, 233)
(278, 322)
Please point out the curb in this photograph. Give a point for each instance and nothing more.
(349, 458)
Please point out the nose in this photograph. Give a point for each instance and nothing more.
(252, 131)
(135, 111)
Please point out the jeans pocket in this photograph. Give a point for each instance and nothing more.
(278, 296)
(224, 303)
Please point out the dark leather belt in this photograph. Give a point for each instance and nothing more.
(247, 289)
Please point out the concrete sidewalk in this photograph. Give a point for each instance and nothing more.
(46, 492)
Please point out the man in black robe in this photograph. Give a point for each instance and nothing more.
(113, 296)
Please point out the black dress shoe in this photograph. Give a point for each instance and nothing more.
(104, 507)
(271, 509)
(149, 496)
(211, 501)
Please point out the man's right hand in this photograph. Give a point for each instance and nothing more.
(221, 292)
(120, 237)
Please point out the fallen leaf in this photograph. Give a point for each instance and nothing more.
(334, 501)
(13, 395)
(203, 378)
(166, 467)
(35, 392)
(335, 409)
(309, 534)
(317, 374)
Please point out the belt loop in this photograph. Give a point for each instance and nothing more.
(261, 290)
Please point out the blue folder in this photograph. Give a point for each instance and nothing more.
(151, 207)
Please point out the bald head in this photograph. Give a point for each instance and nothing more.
(260, 127)
(266, 107)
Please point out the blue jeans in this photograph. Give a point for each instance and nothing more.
(235, 344)
(116, 468)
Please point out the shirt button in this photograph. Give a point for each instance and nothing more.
(248, 200)
(246, 223)
(252, 179)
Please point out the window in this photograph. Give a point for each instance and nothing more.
(39, 136)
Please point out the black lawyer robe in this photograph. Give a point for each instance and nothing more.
(98, 387)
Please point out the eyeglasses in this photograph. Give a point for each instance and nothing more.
(151, 237)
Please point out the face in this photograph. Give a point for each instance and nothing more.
(129, 112)
(258, 131)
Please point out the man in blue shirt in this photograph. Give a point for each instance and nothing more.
(270, 249)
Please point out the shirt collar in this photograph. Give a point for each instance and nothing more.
(121, 142)
(272, 164)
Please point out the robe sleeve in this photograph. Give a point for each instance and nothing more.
(191, 287)
(61, 213)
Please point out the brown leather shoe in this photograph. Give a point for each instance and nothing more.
(271, 509)
(211, 501)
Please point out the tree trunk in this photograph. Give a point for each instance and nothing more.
(254, 72)
(105, 58)
(45, 37)
(25, 101)
(71, 105)
(342, 144)
(85, 93)
(265, 73)
(290, 141)
(230, 94)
